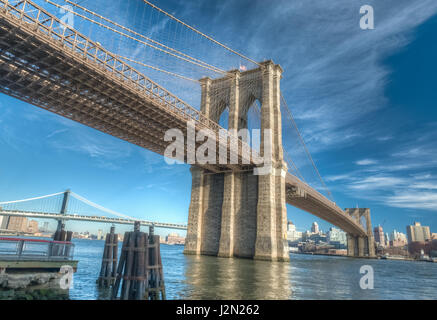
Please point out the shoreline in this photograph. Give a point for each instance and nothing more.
(393, 258)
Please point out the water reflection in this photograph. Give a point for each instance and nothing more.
(222, 278)
(305, 277)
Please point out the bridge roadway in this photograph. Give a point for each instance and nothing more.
(54, 67)
(76, 217)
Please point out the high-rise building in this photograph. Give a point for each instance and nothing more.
(1, 221)
(315, 227)
(17, 224)
(174, 238)
(100, 234)
(292, 234)
(398, 239)
(32, 226)
(337, 238)
(417, 232)
(387, 239)
(379, 236)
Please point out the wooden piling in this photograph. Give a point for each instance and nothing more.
(156, 288)
(67, 248)
(109, 260)
(60, 235)
(120, 267)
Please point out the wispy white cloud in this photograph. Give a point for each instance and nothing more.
(52, 134)
(105, 151)
(376, 183)
(366, 162)
(340, 177)
(413, 200)
(334, 74)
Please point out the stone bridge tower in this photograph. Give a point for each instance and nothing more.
(361, 246)
(238, 213)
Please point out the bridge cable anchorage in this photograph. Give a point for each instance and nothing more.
(192, 61)
(201, 33)
(97, 206)
(290, 116)
(288, 159)
(157, 69)
(31, 199)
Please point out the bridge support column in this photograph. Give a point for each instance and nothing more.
(226, 247)
(271, 240)
(351, 245)
(370, 237)
(363, 246)
(266, 245)
(64, 207)
(232, 183)
(194, 231)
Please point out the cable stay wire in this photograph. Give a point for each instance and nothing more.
(157, 69)
(138, 34)
(200, 33)
(97, 206)
(31, 199)
(288, 159)
(181, 57)
(290, 116)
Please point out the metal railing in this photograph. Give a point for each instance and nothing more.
(35, 249)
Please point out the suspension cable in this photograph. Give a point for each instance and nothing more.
(30, 199)
(290, 116)
(199, 32)
(158, 69)
(97, 206)
(137, 34)
(202, 64)
(288, 159)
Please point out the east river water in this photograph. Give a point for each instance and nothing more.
(304, 277)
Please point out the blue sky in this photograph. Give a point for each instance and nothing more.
(365, 101)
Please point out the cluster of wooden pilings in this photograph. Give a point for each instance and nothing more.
(139, 274)
(61, 250)
(140, 268)
(108, 271)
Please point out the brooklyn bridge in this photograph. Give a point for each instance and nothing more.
(233, 211)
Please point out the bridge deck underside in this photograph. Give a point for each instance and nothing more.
(315, 203)
(39, 70)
